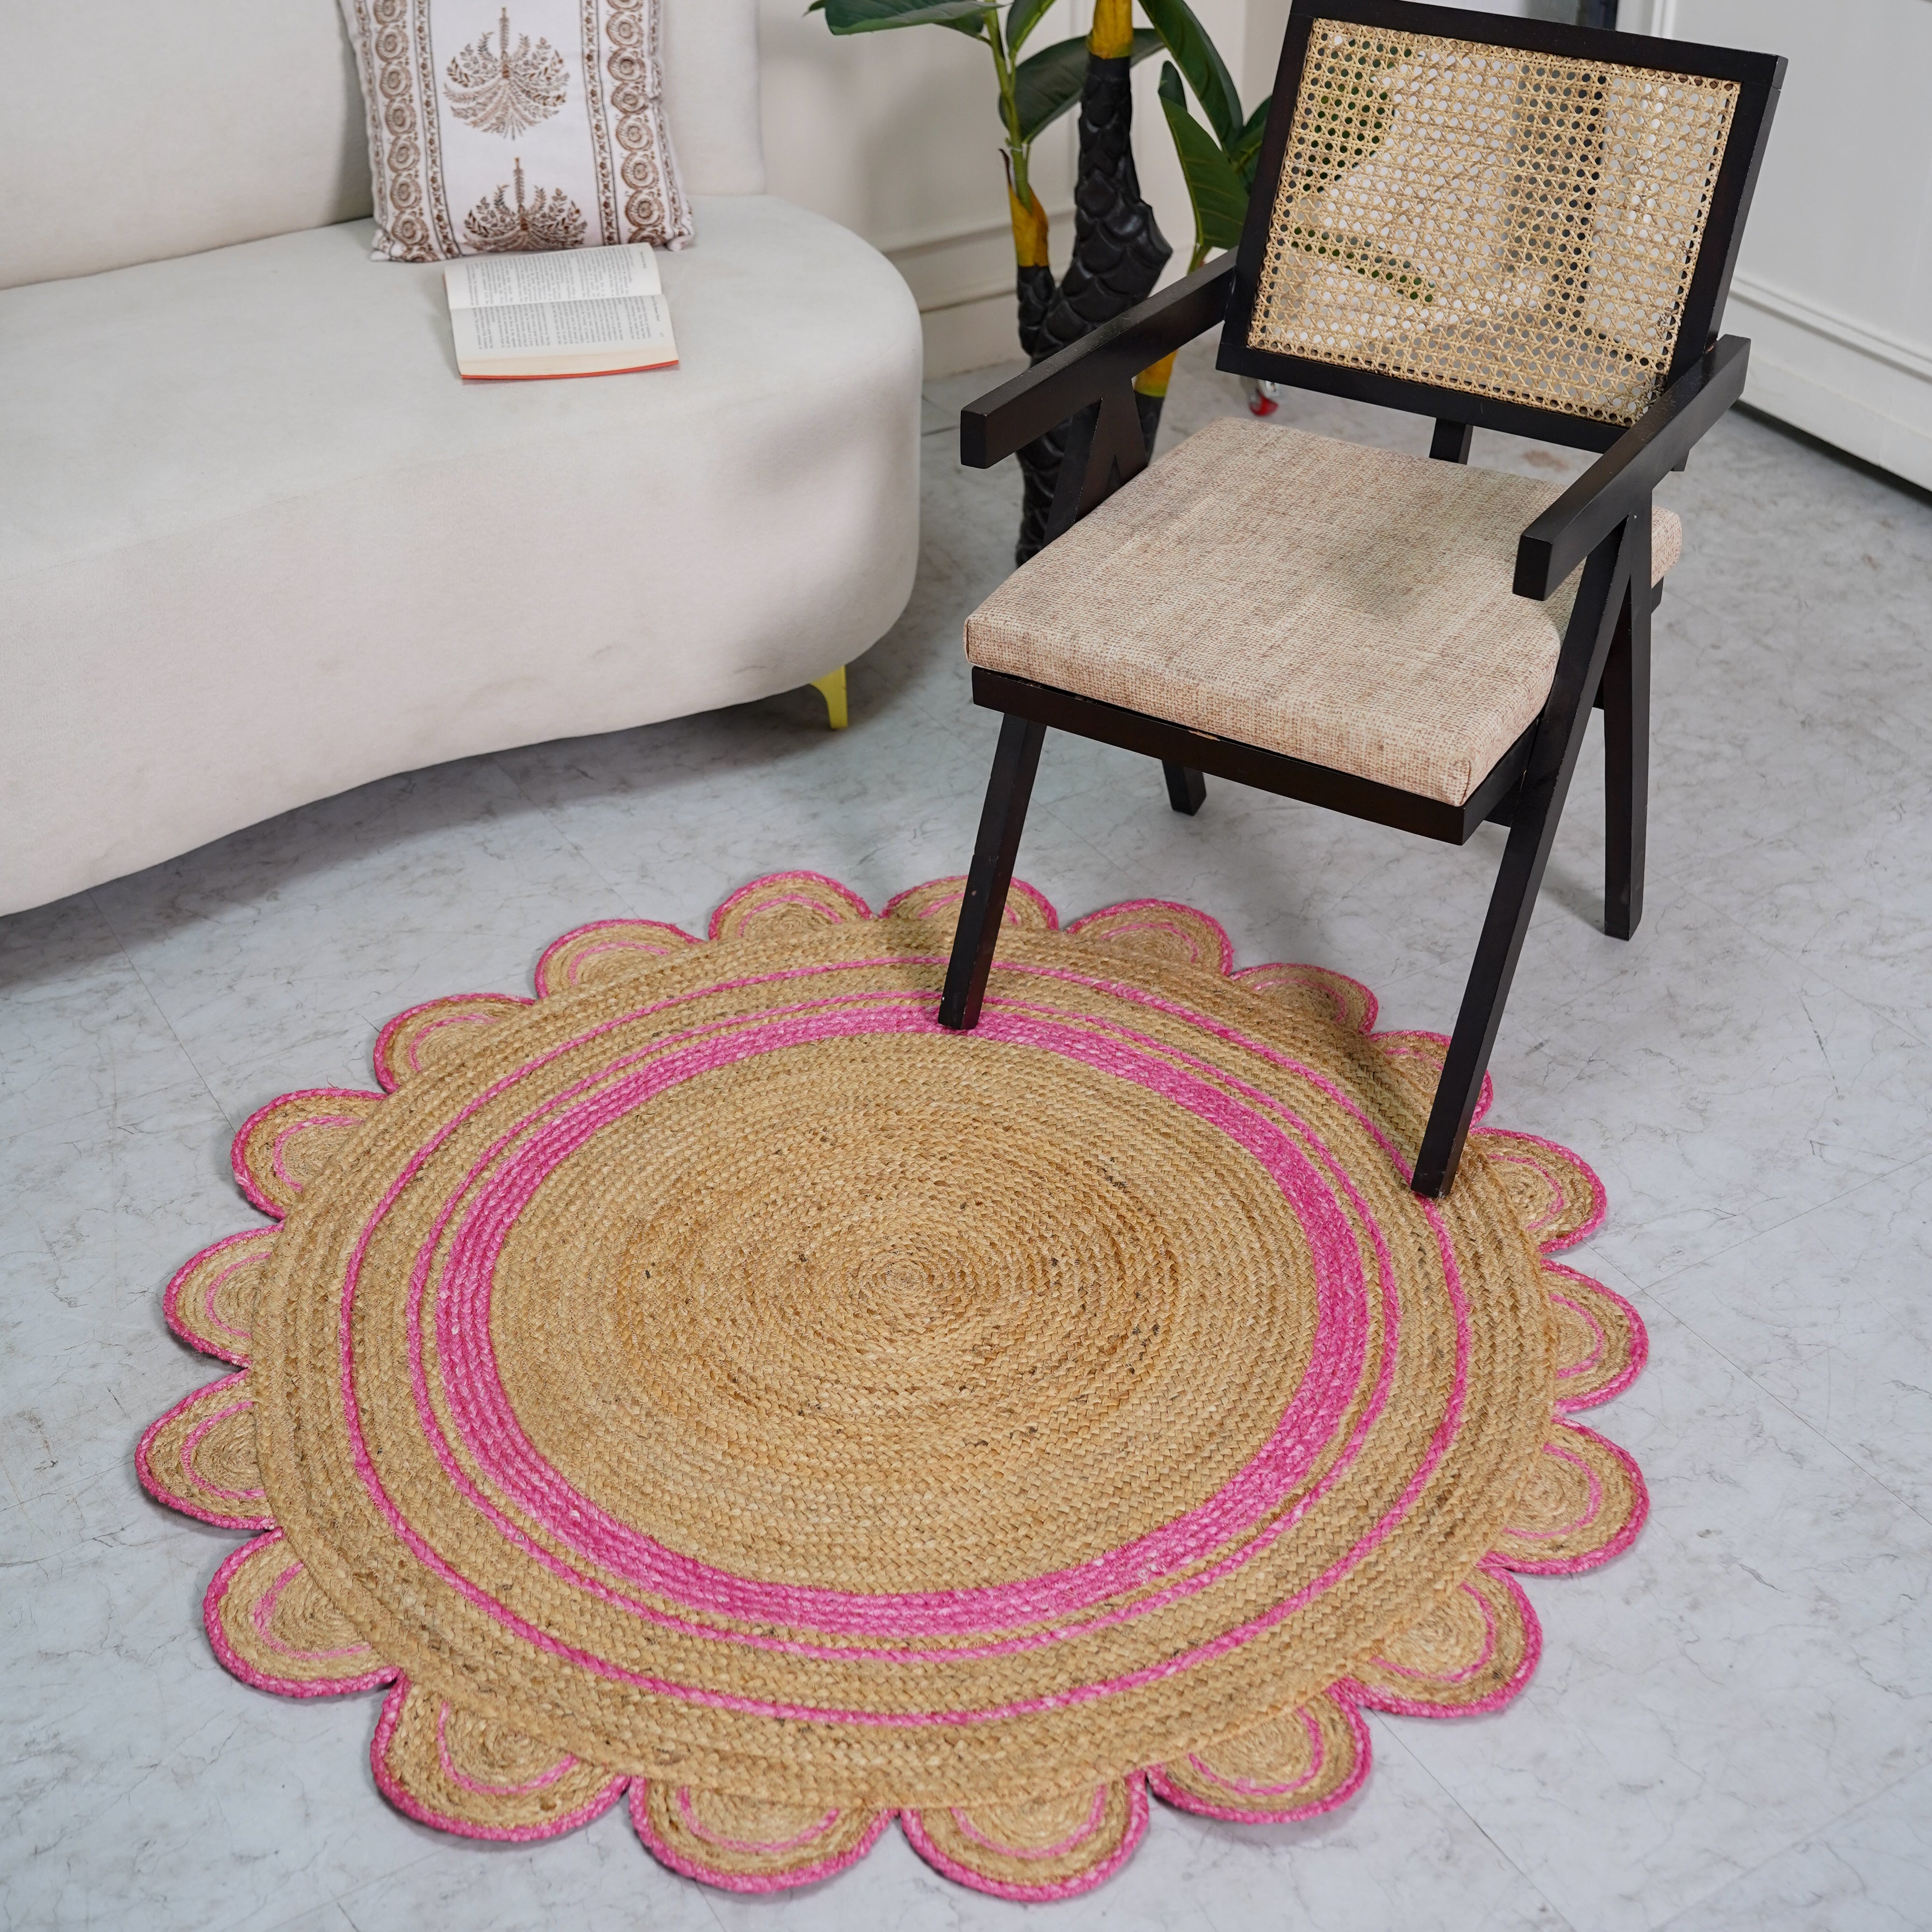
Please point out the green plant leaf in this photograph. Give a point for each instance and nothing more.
(870, 16)
(1045, 85)
(1245, 155)
(1220, 197)
(1196, 56)
(1022, 20)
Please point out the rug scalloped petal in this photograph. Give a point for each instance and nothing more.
(199, 1458)
(712, 1380)
(1601, 1343)
(1161, 929)
(289, 1143)
(419, 1041)
(449, 1768)
(273, 1626)
(608, 949)
(1036, 1849)
(1473, 1651)
(1561, 1201)
(1295, 1765)
(210, 1303)
(1417, 1058)
(1317, 990)
(788, 901)
(750, 1844)
(934, 908)
(1583, 1502)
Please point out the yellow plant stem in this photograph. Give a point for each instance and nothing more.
(1030, 231)
(1112, 37)
(1153, 382)
(1029, 217)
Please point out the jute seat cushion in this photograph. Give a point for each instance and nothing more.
(1348, 606)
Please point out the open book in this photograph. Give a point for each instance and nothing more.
(573, 312)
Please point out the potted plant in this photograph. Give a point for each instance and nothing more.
(1118, 249)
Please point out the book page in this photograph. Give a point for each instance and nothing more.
(610, 323)
(564, 274)
(601, 334)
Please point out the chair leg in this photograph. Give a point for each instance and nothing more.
(1600, 602)
(1186, 789)
(1626, 768)
(1511, 902)
(1008, 791)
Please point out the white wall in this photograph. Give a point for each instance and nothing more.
(1834, 284)
(897, 135)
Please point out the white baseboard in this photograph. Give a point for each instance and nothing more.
(1837, 379)
(962, 279)
(969, 335)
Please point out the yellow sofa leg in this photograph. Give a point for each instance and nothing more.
(831, 687)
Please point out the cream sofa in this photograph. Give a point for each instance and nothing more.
(258, 543)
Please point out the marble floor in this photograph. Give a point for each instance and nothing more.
(1732, 1727)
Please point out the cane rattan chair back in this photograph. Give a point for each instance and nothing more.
(1469, 223)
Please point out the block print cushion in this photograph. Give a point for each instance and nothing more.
(498, 128)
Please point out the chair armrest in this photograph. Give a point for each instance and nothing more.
(1618, 484)
(1007, 418)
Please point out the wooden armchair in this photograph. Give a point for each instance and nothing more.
(1497, 223)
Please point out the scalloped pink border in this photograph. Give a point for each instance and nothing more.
(144, 1464)
(1342, 1693)
(914, 1826)
(1640, 1342)
(398, 1794)
(171, 1302)
(1599, 1199)
(386, 1077)
(542, 971)
(754, 1882)
(1020, 886)
(237, 1148)
(1595, 1559)
(1225, 967)
(1371, 1007)
(715, 929)
(236, 1665)
(1504, 1693)
(1486, 1096)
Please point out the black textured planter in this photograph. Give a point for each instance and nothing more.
(1118, 253)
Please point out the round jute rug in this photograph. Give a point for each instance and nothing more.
(711, 1383)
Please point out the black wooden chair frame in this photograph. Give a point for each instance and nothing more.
(1602, 522)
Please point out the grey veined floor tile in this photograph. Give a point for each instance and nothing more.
(1866, 1872)
(1729, 1728)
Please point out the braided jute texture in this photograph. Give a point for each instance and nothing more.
(711, 1384)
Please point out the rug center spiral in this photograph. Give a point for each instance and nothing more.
(932, 1335)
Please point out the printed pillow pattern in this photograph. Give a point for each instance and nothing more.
(499, 129)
